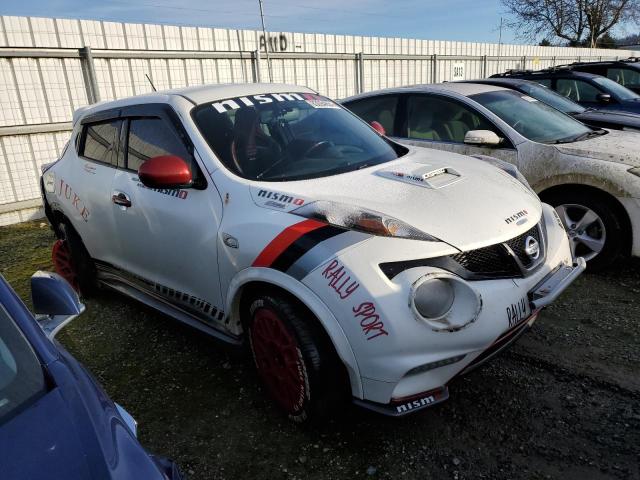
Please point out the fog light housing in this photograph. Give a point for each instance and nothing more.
(433, 298)
(444, 301)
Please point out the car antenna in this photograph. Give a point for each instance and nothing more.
(152, 85)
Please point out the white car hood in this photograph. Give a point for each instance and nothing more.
(619, 147)
(460, 200)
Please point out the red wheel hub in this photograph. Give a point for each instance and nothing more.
(278, 360)
(61, 256)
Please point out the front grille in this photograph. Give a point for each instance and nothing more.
(493, 260)
(517, 244)
(502, 260)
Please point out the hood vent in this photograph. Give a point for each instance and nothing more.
(423, 175)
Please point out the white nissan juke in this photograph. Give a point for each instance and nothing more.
(268, 215)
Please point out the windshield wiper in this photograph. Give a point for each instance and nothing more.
(578, 138)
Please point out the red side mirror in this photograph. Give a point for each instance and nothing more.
(377, 126)
(165, 171)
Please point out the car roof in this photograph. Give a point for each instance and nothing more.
(498, 81)
(629, 62)
(464, 89)
(196, 95)
(550, 72)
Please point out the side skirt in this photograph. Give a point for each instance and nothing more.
(108, 277)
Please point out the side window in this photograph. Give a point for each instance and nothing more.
(98, 141)
(378, 109)
(440, 119)
(577, 90)
(152, 137)
(624, 76)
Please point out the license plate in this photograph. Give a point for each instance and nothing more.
(518, 311)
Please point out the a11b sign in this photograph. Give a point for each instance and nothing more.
(457, 71)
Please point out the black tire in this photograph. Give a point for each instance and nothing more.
(314, 387)
(82, 263)
(605, 208)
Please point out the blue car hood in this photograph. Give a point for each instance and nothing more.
(72, 432)
(41, 442)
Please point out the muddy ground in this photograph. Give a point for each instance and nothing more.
(564, 402)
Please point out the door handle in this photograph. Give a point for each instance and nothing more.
(121, 199)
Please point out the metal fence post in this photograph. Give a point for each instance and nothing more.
(89, 74)
(255, 66)
(360, 71)
(434, 68)
(484, 66)
(524, 62)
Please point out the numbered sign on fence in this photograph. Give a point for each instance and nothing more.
(457, 71)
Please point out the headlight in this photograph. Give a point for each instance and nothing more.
(445, 302)
(635, 171)
(361, 219)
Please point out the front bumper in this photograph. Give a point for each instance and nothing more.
(543, 294)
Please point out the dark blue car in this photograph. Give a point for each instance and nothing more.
(56, 422)
(587, 89)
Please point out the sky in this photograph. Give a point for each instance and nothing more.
(461, 20)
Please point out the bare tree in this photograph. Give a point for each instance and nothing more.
(575, 21)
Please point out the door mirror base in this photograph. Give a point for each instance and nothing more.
(603, 98)
(482, 138)
(55, 302)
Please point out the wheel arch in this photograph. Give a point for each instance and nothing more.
(258, 278)
(597, 189)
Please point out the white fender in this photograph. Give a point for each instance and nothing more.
(310, 300)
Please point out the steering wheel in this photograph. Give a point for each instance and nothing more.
(317, 146)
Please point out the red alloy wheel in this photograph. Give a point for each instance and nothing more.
(61, 256)
(278, 360)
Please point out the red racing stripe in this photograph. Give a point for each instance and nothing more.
(283, 240)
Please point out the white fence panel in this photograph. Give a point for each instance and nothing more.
(45, 87)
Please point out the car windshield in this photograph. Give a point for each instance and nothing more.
(623, 93)
(21, 377)
(531, 118)
(289, 136)
(548, 96)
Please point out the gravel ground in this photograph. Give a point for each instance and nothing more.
(564, 402)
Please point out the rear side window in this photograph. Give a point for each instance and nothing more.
(378, 109)
(624, 76)
(153, 137)
(99, 141)
(577, 90)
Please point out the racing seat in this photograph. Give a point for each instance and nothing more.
(252, 150)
